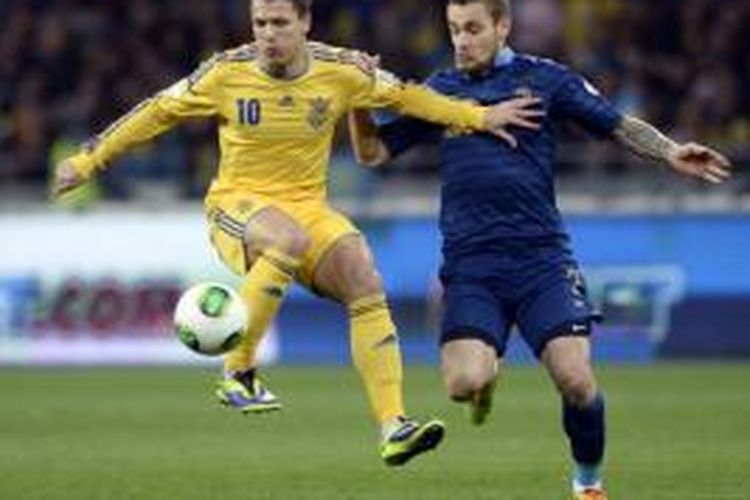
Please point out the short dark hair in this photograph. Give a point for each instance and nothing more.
(498, 8)
(303, 7)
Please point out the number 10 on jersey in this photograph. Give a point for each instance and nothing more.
(248, 111)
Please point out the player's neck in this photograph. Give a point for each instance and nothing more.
(290, 71)
(487, 66)
(481, 70)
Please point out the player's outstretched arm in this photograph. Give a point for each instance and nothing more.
(422, 102)
(381, 89)
(188, 98)
(519, 112)
(143, 123)
(688, 159)
(372, 150)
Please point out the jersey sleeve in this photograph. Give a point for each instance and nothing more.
(384, 90)
(401, 133)
(191, 97)
(578, 100)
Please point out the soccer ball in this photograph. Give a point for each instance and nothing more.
(210, 318)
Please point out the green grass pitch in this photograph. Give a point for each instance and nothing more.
(676, 432)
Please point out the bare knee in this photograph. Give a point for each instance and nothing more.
(468, 366)
(462, 384)
(358, 277)
(568, 362)
(577, 387)
(362, 283)
(347, 273)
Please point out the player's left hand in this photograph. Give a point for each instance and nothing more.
(700, 161)
(518, 112)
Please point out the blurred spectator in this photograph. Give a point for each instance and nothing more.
(70, 67)
(539, 27)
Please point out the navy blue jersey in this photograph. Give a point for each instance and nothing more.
(493, 195)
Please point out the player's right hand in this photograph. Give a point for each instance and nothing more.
(66, 178)
(517, 112)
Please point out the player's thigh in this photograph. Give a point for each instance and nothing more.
(328, 230)
(557, 307)
(241, 228)
(273, 227)
(346, 272)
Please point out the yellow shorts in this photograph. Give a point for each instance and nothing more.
(228, 216)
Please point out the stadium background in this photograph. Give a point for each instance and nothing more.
(93, 281)
(664, 255)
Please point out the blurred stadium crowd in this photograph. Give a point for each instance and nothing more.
(69, 67)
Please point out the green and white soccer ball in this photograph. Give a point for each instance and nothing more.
(210, 318)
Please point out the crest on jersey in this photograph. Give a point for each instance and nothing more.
(320, 108)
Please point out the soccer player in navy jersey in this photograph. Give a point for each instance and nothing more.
(506, 254)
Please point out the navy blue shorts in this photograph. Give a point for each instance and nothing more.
(541, 291)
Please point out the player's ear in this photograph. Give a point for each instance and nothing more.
(502, 28)
(307, 22)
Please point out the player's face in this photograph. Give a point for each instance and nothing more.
(475, 35)
(279, 30)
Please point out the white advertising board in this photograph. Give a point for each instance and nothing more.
(100, 288)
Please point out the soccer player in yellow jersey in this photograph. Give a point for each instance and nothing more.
(276, 103)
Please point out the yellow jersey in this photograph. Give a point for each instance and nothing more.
(275, 135)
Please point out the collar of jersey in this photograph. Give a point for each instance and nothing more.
(281, 81)
(504, 57)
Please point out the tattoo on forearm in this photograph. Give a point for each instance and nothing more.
(643, 139)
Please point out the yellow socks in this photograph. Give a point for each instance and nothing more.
(374, 342)
(263, 289)
(377, 356)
